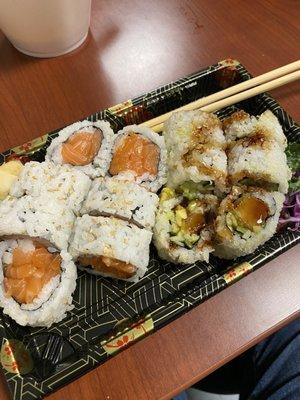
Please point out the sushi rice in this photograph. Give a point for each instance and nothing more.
(53, 301)
(122, 199)
(256, 161)
(62, 182)
(240, 124)
(43, 218)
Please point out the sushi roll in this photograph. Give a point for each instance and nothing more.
(258, 161)
(111, 247)
(36, 282)
(247, 218)
(184, 227)
(84, 145)
(196, 150)
(42, 218)
(122, 199)
(240, 124)
(139, 155)
(65, 184)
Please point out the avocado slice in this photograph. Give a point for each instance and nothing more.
(180, 214)
(191, 190)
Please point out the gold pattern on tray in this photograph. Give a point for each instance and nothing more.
(237, 272)
(15, 358)
(32, 146)
(135, 331)
(120, 108)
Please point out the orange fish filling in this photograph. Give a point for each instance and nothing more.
(29, 272)
(137, 154)
(81, 148)
(109, 265)
(252, 211)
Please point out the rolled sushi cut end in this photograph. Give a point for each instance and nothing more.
(258, 161)
(111, 247)
(42, 218)
(247, 218)
(36, 282)
(63, 183)
(184, 226)
(85, 145)
(240, 124)
(196, 150)
(139, 155)
(127, 200)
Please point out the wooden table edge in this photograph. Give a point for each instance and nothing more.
(239, 351)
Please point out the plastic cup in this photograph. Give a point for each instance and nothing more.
(45, 28)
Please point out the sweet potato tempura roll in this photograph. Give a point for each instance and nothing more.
(184, 226)
(256, 154)
(247, 218)
(196, 151)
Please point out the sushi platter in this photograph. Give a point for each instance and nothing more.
(109, 230)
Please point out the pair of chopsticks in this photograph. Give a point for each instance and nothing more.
(235, 94)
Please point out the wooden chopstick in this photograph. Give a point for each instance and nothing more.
(236, 93)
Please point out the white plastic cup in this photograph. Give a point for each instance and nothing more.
(45, 28)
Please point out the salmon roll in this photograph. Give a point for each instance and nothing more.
(84, 145)
(126, 200)
(240, 124)
(184, 227)
(196, 150)
(36, 282)
(65, 184)
(139, 155)
(111, 247)
(43, 218)
(258, 161)
(246, 219)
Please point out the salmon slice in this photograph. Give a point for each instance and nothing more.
(137, 154)
(41, 257)
(18, 272)
(55, 264)
(34, 286)
(15, 288)
(20, 257)
(29, 272)
(109, 265)
(81, 148)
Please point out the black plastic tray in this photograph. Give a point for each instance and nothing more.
(109, 315)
